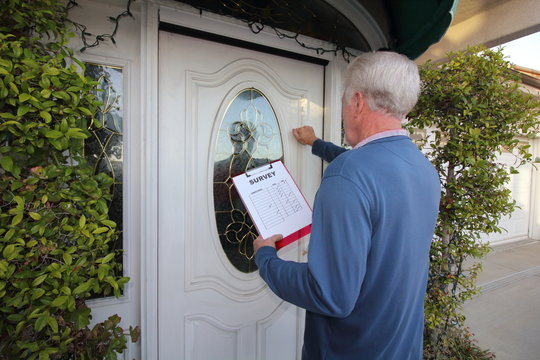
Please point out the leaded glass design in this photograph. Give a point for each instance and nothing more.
(104, 149)
(248, 137)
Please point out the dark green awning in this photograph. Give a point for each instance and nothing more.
(417, 24)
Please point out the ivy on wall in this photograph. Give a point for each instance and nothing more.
(55, 232)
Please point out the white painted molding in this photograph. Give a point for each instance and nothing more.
(149, 170)
(362, 20)
(194, 321)
(187, 16)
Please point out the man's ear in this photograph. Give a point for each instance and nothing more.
(359, 102)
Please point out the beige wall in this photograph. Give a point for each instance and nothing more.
(490, 24)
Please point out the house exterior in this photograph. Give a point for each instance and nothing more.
(188, 95)
(475, 24)
(524, 223)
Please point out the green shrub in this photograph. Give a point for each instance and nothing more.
(476, 111)
(55, 233)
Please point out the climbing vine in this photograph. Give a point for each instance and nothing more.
(55, 232)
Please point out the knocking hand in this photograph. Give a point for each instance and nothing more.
(259, 242)
(305, 135)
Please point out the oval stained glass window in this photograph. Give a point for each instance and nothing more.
(248, 137)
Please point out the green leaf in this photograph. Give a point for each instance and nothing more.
(109, 223)
(82, 288)
(39, 279)
(106, 259)
(68, 259)
(44, 354)
(22, 110)
(25, 97)
(19, 327)
(85, 111)
(53, 324)
(10, 252)
(9, 234)
(59, 301)
(103, 270)
(7, 163)
(14, 88)
(76, 133)
(54, 134)
(16, 219)
(46, 93)
(79, 135)
(35, 215)
(45, 115)
(81, 317)
(82, 221)
(100, 230)
(37, 293)
(40, 322)
(7, 116)
(66, 290)
(20, 202)
(15, 317)
(51, 71)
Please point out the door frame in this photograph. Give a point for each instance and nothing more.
(152, 13)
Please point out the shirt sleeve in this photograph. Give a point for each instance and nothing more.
(326, 150)
(329, 283)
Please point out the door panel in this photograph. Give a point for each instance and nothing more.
(208, 308)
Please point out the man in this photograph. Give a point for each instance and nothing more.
(373, 220)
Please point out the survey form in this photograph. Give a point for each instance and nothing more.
(274, 202)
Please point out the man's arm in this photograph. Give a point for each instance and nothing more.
(323, 149)
(330, 282)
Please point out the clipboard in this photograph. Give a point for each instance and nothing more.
(274, 202)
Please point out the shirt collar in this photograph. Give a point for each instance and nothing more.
(382, 135)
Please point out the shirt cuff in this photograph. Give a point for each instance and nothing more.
(263, 253)
(317, 146)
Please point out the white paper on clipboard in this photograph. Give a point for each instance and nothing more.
(274, 202)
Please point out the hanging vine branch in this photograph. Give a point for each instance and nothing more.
(258, 17)
(257, 27)
(82, 29)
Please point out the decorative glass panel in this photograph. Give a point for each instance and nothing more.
(249, 136)
(104, 149)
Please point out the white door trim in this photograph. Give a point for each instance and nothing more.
(149, 171)
(180, 14)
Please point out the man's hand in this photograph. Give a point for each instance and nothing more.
(259, 242)
(305, 135)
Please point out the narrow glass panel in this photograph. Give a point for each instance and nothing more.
(104, 149)
(248, 137)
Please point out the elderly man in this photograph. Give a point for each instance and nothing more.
(373, 220)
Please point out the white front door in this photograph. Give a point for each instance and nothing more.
(212, 303)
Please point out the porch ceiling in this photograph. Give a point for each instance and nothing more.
(405, 26)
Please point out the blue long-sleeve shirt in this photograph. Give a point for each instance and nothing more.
(364, 283)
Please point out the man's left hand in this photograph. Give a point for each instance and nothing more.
(259, 242)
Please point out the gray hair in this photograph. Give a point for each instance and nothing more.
(389, 82)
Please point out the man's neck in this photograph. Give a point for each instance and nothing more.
(378, 123)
